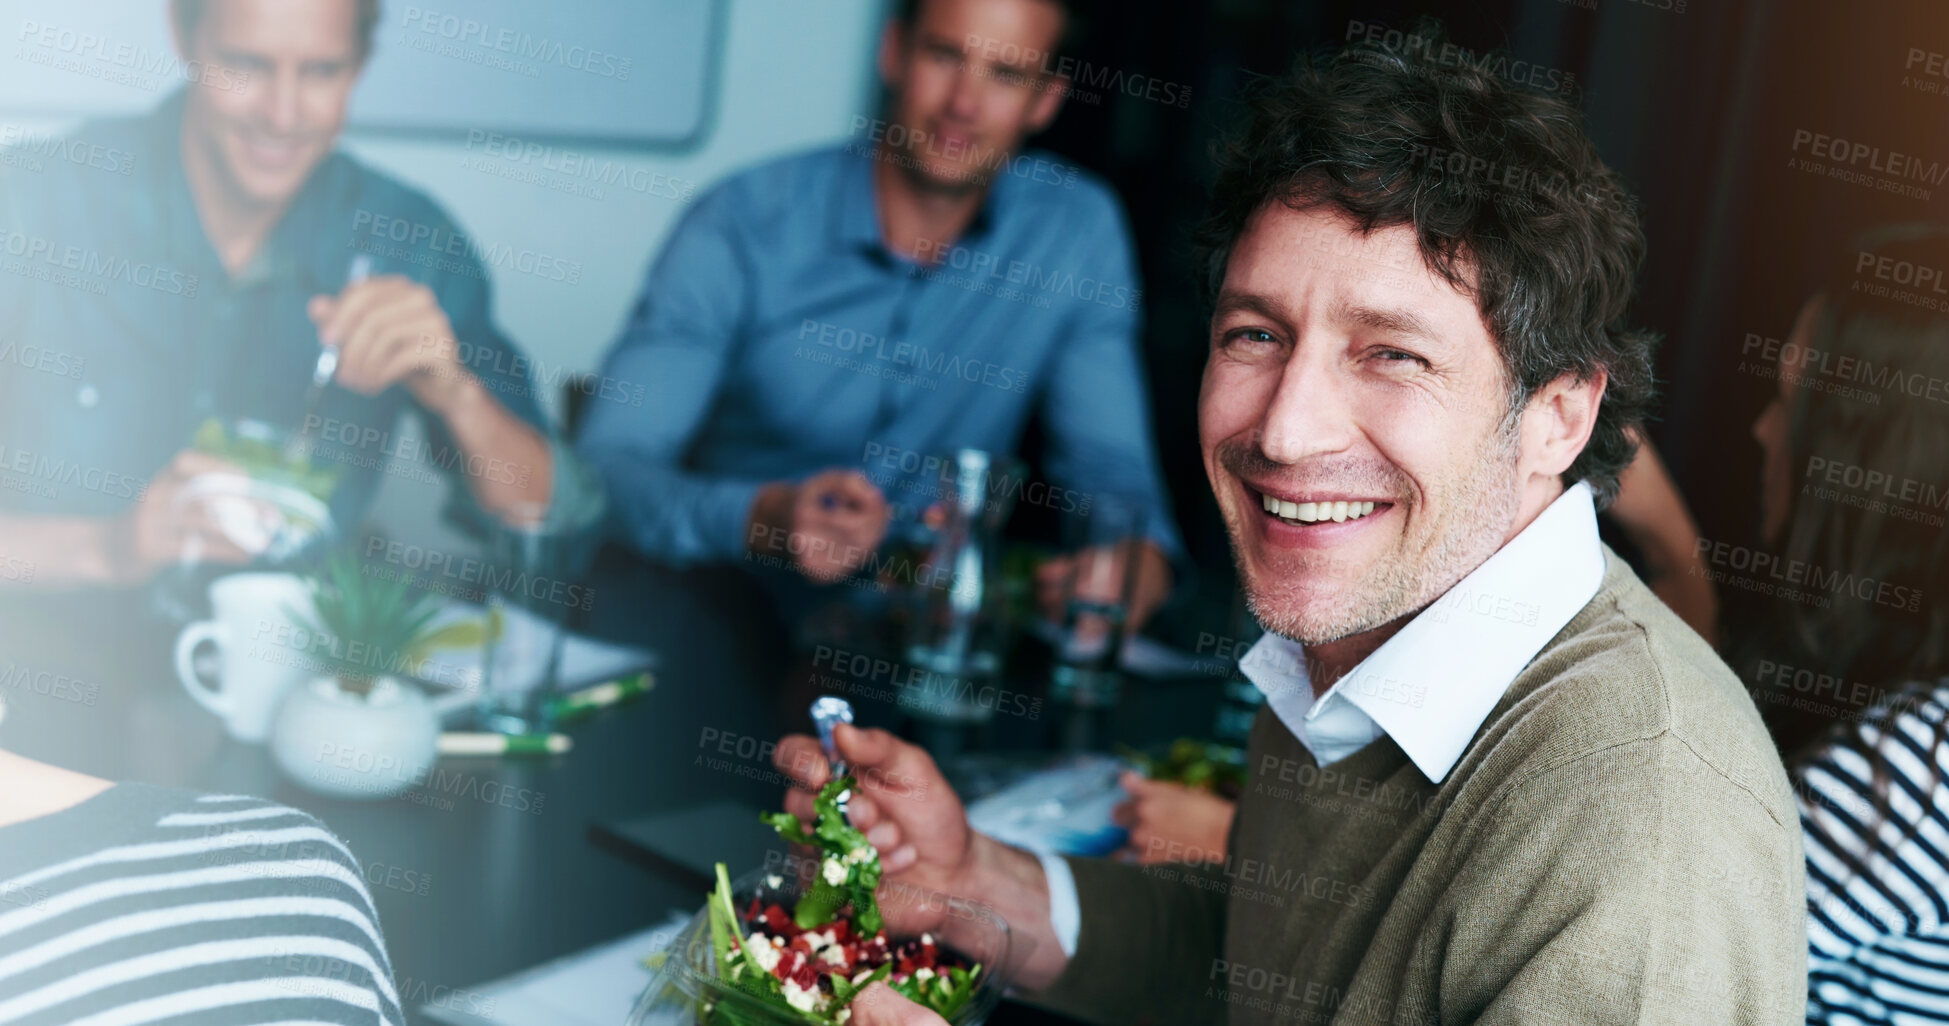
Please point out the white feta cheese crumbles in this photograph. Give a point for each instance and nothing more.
(762, 950)
(802, 998)
(845, 1015)
(923, 974)
(858, 855)
(834, 871)
(774, 881)
(927, 938)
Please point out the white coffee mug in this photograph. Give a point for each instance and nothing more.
(261, 650)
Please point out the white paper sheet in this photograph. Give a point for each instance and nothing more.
(584, 661)
(594, 987)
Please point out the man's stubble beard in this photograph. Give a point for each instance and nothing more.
(1483, 505)
(914, 169)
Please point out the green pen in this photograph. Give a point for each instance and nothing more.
(575, 704)
(460, 743)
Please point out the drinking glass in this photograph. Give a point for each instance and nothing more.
(273, 514)
(956, 630)
(531, 574)
(1103, 549)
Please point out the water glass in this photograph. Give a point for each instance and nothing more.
(956, 630)
(530, 575)
(1103, 550)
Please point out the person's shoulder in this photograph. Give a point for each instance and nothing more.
(1902, 730)
(380, 209)
(1628, 672)
(380, 193)
(84, 171)
(1056, 190)
(796, 184)
(237, 827)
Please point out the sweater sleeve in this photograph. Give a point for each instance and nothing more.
(1151, 936)
(1637, 884)
(1152, 942)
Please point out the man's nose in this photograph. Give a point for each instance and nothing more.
(1307, 415)
(281, 104)
(964, 99)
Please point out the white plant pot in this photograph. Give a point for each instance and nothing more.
(334, 742)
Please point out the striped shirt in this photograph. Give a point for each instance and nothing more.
(1878, 943)
(152, 905)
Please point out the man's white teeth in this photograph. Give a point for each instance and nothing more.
(1314, 512)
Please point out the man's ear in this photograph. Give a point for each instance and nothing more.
(1048, 103)
(176, 31)
(1557, 422)
(893, 53)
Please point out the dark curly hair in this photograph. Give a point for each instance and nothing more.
(1502, 187)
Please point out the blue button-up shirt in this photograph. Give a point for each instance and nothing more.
(121, 331)
(778, 336)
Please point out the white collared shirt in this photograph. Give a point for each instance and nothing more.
(1430, 686)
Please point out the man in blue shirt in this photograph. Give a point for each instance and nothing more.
(818, 328)
(194, 272)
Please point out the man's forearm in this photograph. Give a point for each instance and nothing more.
(507, 465)
(59, 551)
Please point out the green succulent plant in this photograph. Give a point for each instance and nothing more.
(378, 623)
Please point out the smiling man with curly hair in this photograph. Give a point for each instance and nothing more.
(1496, 780)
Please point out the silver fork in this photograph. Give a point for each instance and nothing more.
(828, 712)
(327, 365)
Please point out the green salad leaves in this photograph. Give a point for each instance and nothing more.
(849, 870)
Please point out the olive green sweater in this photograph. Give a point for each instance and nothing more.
(1618, 844)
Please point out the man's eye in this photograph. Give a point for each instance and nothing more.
(1398, 356)
(1253, 336)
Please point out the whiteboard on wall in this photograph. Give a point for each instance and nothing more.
(624, 72)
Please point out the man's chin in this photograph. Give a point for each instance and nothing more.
(266, 190)
(948, 178)
(267, 185)
(1310, 628)
(1321, 612)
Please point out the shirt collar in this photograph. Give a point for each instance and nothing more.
(1430, 686)
(856, 213)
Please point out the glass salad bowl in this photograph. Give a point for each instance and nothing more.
(692, 985)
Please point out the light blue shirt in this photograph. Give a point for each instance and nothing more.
(777, 336)
(140, 333)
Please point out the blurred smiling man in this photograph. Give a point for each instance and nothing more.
(252, 222)
(1496, 781)
(819, 323)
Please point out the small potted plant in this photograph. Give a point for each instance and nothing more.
(362, 728)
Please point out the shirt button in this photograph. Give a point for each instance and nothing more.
(87, 396)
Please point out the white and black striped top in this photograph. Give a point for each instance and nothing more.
(152, 905)
(1879, 946)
